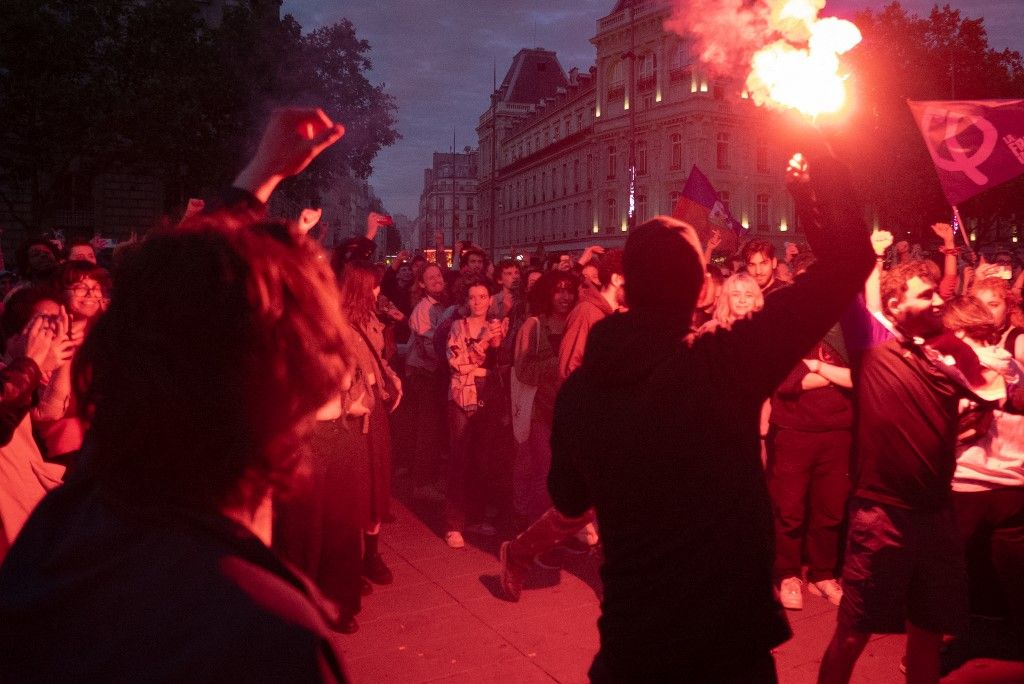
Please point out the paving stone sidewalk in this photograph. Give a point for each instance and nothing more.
(441, 620)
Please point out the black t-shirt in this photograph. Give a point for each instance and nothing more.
(907, 427)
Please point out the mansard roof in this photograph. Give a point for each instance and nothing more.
(535, 74)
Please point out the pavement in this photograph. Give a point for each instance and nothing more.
(442, 619)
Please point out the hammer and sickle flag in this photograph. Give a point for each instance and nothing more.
(974, 144)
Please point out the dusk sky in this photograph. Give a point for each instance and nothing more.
(436, 56)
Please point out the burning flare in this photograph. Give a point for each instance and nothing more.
(804, 75)
(791, 56)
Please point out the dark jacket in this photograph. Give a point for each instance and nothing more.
(100, 589)
(661, 437)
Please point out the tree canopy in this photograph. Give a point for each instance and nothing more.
(943, 56)
(150, 88)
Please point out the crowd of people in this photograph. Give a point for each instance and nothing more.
(725, 432)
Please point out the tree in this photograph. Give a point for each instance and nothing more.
(148, 88)
(903, 56)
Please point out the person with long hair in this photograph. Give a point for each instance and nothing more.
(536, 366)
(740, 298)
(82, 288)
(473, 343)
(1004, 305)
(324, 523)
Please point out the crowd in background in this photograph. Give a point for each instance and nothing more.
(454, 375)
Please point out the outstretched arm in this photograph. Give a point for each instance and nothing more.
(759, 352)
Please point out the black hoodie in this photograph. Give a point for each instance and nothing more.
(661, 437)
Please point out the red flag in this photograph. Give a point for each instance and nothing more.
(700, 206)
(974, 144)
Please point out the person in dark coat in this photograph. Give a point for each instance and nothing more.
(222, 341)
(674, 470)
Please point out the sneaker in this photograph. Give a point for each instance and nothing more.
(454, 539)
(375, 570)
(429, 493)
(791, 593)
(511, 578)
(484, 528)
(829, 589)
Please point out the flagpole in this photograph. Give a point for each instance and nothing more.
(963, 232)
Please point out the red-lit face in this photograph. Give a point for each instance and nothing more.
(919, 312)
(478, 299)
(433, 281)
(563, 299)
(995, 303)
(761, 268)
(741, 298)
(509, 277)
(82, 253)
(475, 263)
(83, 298)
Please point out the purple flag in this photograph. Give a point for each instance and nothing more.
(700, 206)
(975, 144)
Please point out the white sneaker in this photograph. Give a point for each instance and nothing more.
(588, 535)
(791, 593)
(454, 539)
(829, 589)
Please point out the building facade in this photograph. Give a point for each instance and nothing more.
(613, 147)
(449, 201)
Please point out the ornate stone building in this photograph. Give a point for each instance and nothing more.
(613, 147)
(449, 200)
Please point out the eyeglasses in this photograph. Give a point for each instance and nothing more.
(83, 290)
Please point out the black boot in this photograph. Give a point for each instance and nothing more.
(374, 567)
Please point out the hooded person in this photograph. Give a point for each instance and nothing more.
(675, 474)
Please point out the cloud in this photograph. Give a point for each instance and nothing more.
(436, 58)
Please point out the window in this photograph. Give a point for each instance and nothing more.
(575, 175)
(589, 216)
(613, 161)
(764, 220)
(455, 203)
(680, 58)
(641, 158)
(543, 186)
(579, 121)
(676, 141)
(763, 159)
(565, 179)
(576, 219)
(469, 222)
(673, 199)
(565, 219)
(469, 203)
(646, 72)
(590, 171)
(640, 208)
(724, 196)
(616, 82)
(611, 215)
(722, 150)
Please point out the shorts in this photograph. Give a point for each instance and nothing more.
(903, 565)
